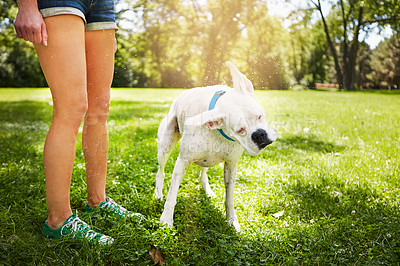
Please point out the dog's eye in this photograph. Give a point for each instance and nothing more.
(260, 117)
(241, 131)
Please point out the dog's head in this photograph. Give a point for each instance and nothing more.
(239, 115)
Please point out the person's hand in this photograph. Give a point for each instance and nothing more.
(29, 23)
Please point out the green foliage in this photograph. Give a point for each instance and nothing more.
(309, 56)
(19, 65)
(344, 26)
(265, 58)
(5, 7)
(385, 63)
(334, 171)
(185, 44)
(174, 44)
(129, 68)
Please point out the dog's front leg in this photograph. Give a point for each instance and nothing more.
(230, 178)
(179, 171)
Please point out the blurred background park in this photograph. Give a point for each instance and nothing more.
(292, 44)
(332, 177)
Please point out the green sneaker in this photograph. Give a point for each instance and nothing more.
(111, 207)
(76, 228)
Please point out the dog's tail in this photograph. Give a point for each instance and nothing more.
(240, 82)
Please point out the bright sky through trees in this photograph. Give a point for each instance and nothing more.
(283, 9)
(281, 44)
(278, 8)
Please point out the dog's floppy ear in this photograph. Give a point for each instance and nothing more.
(215, 122)
(212, 119)
(240, 82)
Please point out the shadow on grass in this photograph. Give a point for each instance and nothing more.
(353, 217)
(127, 111)
(204, 235)
(297, 149)
(25, 111)
(310, 144)
(349, 225)
(338, 200)
(325, 224)
(336, 223)
(23, 127)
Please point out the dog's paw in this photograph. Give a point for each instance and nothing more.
(158, 195)
(211, 194)
(165, 219)
(234, 223)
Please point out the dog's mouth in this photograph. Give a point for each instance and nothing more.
(261, 138)
(263, 145)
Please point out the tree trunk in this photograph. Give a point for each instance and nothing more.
(351, 56)
(338, 68)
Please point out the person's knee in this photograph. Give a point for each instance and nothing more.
(98, 111)
(71, 113)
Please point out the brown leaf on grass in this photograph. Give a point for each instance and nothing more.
(278, 214)
(157, 256)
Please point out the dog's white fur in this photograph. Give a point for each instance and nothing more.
(236, 113)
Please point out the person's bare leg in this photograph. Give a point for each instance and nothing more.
(64, 65)
(100, 70)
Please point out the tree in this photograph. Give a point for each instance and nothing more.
(185, 43)
(385, 64)
(264, 48)
(354, 17)
(19, 66)
(161, 42)
(129, 66)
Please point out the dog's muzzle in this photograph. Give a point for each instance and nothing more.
(262, 139)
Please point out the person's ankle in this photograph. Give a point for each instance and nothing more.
(56, 221)
(94, 202)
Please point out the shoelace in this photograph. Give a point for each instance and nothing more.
(115, 207)
(119, 210)
(77, 225)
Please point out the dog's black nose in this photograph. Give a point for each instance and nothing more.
(260, 137)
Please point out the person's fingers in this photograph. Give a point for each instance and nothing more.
(17, 28)
(19, 32)
(31, 27)
(38, 36)
(44, 34)
(25, 34)
(30, 34)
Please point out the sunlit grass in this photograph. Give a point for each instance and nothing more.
(333, 171)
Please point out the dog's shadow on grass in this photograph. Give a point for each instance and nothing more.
(198, 217)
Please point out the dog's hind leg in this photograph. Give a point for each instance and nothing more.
(205, 183)
(168, 136)
(230, 170)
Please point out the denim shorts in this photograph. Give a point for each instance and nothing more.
(97, 14)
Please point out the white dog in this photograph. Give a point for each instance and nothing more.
(216, 124)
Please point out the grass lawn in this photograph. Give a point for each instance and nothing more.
(334, 172)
